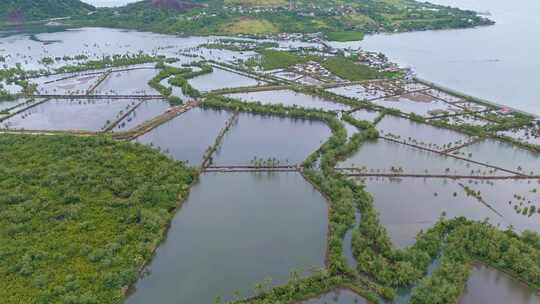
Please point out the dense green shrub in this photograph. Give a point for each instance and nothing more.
(80, 216)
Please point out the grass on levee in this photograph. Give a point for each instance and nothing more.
(274, 59)
(346, 68)
(344, 36)
(80, 216)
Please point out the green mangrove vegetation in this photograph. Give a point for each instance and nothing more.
(81, 215)
(179, 78)
(109, 62)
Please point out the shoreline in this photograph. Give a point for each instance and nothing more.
(472, 98)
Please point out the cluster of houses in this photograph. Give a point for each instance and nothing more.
(315, 70)
(377, 60)
(309, 10)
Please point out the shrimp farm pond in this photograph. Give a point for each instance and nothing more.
(185, 170)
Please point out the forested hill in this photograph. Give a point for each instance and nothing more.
(18, 11)
(278, 16)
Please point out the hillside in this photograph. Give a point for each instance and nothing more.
(18, 11)
(278, 16)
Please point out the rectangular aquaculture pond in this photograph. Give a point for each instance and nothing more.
(517, 201)
(382, 156)
(503, 154)
(257, 139)
(419, 104)
(83, 114)
(187, 136)
(7, 105)
(290, 98)
(526, 135)
(128, 82)
(145, 111)
(236, 230)
(364, 114)
(362, 92)
(221, 79)
(408, 205)
(67, 84)
(419, 134)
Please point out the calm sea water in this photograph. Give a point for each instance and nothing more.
(496, 62)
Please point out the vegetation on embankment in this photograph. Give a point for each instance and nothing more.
(344, 36)
(344, 67)
(81, 215)
(471, 241)
(20, 76)
(109, 62)
(341, 205)
(179, 79)
(381, 268)
(221, 102)
(274, 59)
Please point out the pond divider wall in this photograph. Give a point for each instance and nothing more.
(111, 126)
(35, 104)
(451, 155)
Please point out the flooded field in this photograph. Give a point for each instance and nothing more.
(87, 115)
(487, 285)
(444, 96)
(145, 111)
(351, 130)
(359, 91)
(131, 82)
(263, 138)
(341, 296)
(413, 86)
(504, 155)
(465, 119)
(221, 79)
(517, 201)
(425, 201)
(417, 103)
(367, 115)
(290, 98)
(10, 104)
(287, 75)
(176, 91)
(308, 80)
(230, 234)
(384, 156)
(420, 134)
(187, 137)
(71, 85)
(526, 135)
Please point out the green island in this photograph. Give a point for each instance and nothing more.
(338, 20)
